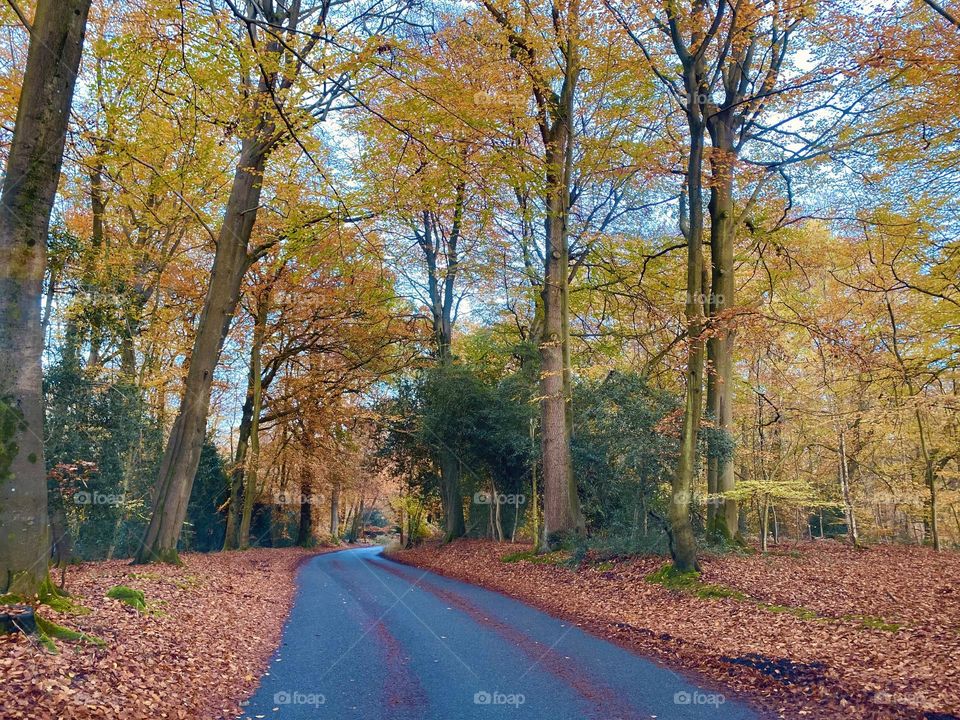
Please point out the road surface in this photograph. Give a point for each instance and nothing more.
(372, 639)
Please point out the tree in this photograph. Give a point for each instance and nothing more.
(33, 171)
(691, 51)
(553, 88)
(281, 50)
(440, 249)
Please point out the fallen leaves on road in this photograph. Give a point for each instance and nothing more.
(824, 631)
(196, 652)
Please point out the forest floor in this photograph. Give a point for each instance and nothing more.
(813, 630)
(196, 652)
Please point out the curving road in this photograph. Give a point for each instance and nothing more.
(371, 639)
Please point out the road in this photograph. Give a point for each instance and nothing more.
(372, 639)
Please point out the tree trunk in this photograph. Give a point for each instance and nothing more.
(231, 539)
(929, 472)
(646, 515)
(555, 116)
(250, 489)
(335, 512)
(401, 524)
(453, 519)
(497, 513)
(712, 464)
(561, 503)
(48, 302)
(305, 528)
(930, 479)
(356, 525)
(850, 517)
(348, 515)
(130, 460)
(535, 499)
(765, 524)
(682, 543)
(722, 238)
(61, 537)
(182, 453)
(29, 187)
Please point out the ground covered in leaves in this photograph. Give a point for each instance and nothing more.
(817, 630)
(195, 651)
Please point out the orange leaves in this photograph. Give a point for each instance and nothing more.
(816, 636)
(220, 618)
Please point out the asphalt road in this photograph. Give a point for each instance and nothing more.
(371, 639)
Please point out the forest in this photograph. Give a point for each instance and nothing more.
(579, 283)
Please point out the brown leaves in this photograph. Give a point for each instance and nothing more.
(813, 639)
(219, 618)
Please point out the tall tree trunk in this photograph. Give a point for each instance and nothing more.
(682, 544)
(48, 302)
(721, 300)
(90, 281)
(231, 539)
(182, 453)
(130, 460)
(251, 483)
(401, 523)
(562, 516)
(561, 503)
(348, 518)
(29, 187)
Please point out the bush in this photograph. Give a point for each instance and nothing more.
(623, 461)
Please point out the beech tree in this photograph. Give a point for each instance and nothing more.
(281, 51)
(551, 59)
(428, 206)
(29, 187)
